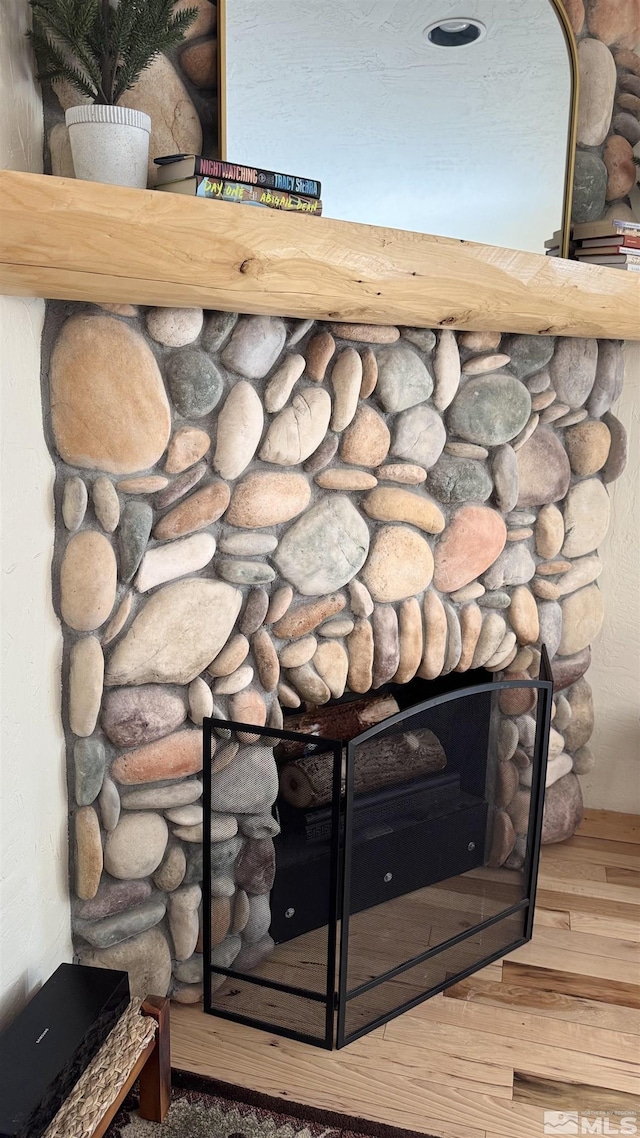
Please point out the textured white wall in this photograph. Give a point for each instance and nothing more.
(34, 906)
(614, 783)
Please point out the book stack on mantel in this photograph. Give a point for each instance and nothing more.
(232, 182)
(613, 243)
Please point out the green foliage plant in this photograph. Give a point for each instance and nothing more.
(102, 47)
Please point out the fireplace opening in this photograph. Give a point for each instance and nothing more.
(379, 876)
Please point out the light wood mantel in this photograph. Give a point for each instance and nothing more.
(73, 240)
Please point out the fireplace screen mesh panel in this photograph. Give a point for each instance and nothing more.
(383, 890)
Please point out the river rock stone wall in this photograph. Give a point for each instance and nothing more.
(608, 133)
(253, 512)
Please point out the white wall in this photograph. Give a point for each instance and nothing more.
(614, 783)
(34, 906)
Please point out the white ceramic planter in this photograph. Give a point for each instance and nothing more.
(109, 144)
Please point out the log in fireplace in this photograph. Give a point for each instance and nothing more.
(380, 878)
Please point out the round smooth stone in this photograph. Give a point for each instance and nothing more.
(174, 327)
(74, 503)
(136, 847)
(490, 410)
(245, 572)
(255, 344)
(337, 479)
(88, 578)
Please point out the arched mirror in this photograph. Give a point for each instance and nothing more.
(451, 117)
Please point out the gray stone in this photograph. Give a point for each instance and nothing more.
(195, 383)
(180, 486)
(135, 527)
(544, 471)
(248, 785)
(224, 954)
(490, 410)
(109, 803)
(179, 631)
(255, 344)
(133, 716)
(579, 729)
(222, 887)
(259, 920)
(245, 572)
(136, 847)
(459, 480)
(325, 548)
(89, 761)
(496, 600)
(627, 126)
(573, 369)
(514, 566)
(163, 797)
(419, 436)
(589, 187)
(256, 867)
(218, 326)
(121, 926)
(583, 761)
(403, 379)
(223, 855)
(145, 957)
(550, 620)
(248, 544)
(74, 503)
(258, 826)
(422, 338)
(563, 809)
(505, 477)
(607, 385)
(190, 971)
(113, 897)
(251, 955)
(529, 354)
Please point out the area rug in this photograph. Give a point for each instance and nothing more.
(206, 1108)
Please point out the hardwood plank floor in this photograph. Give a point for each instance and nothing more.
(555, 1026)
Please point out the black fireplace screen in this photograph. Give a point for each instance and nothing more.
(371, 883)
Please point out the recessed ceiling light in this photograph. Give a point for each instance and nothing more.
(458, 32)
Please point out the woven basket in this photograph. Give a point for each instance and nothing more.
(101, 1082)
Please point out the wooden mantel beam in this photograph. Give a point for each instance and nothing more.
(73, 240)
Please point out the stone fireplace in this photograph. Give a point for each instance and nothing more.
(259, 515)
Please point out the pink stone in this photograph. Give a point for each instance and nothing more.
(469, 545)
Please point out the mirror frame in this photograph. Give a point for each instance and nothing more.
(572, 52)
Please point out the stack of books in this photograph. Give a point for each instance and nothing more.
(614, 243)
(232, 182)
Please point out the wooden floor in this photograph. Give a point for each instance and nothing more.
(555, 1026)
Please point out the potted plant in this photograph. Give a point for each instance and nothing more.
(101, 47)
